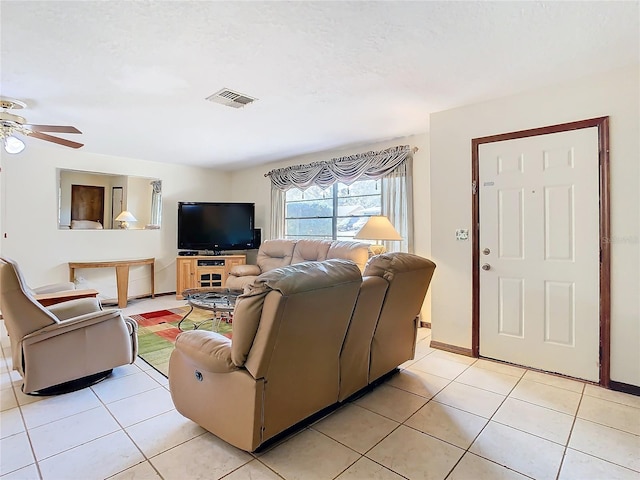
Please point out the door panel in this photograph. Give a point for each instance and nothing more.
(87, 203)
(539, 244)
(559, 220)
(511, 223)
(559, 313)
(511, 302)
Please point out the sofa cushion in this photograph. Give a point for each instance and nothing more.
(297, 345)
(246, 313)
(275, 254)
(388, 265)
(289, 280)
(244, 270)
(409, 277)
(310, 251)
(357, 252)
(308, 276)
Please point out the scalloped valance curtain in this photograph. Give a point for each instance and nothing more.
(370, 165)
(394, 166)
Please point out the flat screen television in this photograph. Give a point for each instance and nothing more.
(216, 226)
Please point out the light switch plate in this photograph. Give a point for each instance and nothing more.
(462, 234)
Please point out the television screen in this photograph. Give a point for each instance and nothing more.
(216, 226)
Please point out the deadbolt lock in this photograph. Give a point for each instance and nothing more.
(486, 251)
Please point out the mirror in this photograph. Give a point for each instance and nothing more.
(92, 200)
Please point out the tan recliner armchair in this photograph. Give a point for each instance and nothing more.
(65, 346)
(283, 363)
(383, 329)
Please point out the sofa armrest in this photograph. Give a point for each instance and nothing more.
(209, 351)
(71, 324)
(244, 270)
(75, 308)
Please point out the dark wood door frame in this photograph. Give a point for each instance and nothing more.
(602, 123)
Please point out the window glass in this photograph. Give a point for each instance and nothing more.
(337, 212)
(309, 208)
(319, 228)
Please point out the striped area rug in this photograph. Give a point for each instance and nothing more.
(157, 332)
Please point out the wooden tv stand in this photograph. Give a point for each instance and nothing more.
(204, 271)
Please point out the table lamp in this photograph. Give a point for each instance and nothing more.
(124, 218)
(378, 227)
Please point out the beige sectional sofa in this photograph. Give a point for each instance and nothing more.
(280, 253)
(306, 337)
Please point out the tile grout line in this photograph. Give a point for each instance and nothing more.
(599, 457)
(396, 427)
(122, 428)
(433, 436)
(575, 418)
(467, 450)
(364, 455)
(19, 407)
(26, 430)
(408, 426)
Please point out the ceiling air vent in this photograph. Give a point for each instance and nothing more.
(230, 98)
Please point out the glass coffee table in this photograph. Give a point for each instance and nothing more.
(218, 300)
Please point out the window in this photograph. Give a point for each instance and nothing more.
(336, 213)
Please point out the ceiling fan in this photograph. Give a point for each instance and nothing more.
(11, 124)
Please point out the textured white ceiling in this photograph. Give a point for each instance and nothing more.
(133, 76)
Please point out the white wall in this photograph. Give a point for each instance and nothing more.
(139, 193)
(616, 94)
(250, 185)
(28, 218)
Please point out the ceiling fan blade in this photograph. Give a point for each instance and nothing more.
(53, 128)
(59, 141)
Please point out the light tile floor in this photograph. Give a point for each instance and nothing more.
(443, 416)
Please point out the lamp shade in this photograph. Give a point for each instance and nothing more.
(378, 227)
(125, 216)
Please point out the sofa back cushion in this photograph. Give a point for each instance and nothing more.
(22, 313)
(246, 319)
(356, 351)
(395, 335)
(357, 252)
(310, 251)
(306, 309)
(275, 254)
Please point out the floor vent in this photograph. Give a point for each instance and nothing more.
(231, 99)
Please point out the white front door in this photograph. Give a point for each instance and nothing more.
(539, 252)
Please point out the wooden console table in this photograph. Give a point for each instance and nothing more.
(122, 274)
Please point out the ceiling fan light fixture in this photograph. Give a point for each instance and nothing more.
(13, 144)
(10, 124)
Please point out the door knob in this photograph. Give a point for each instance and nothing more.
(486, 251)
(486, 266)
